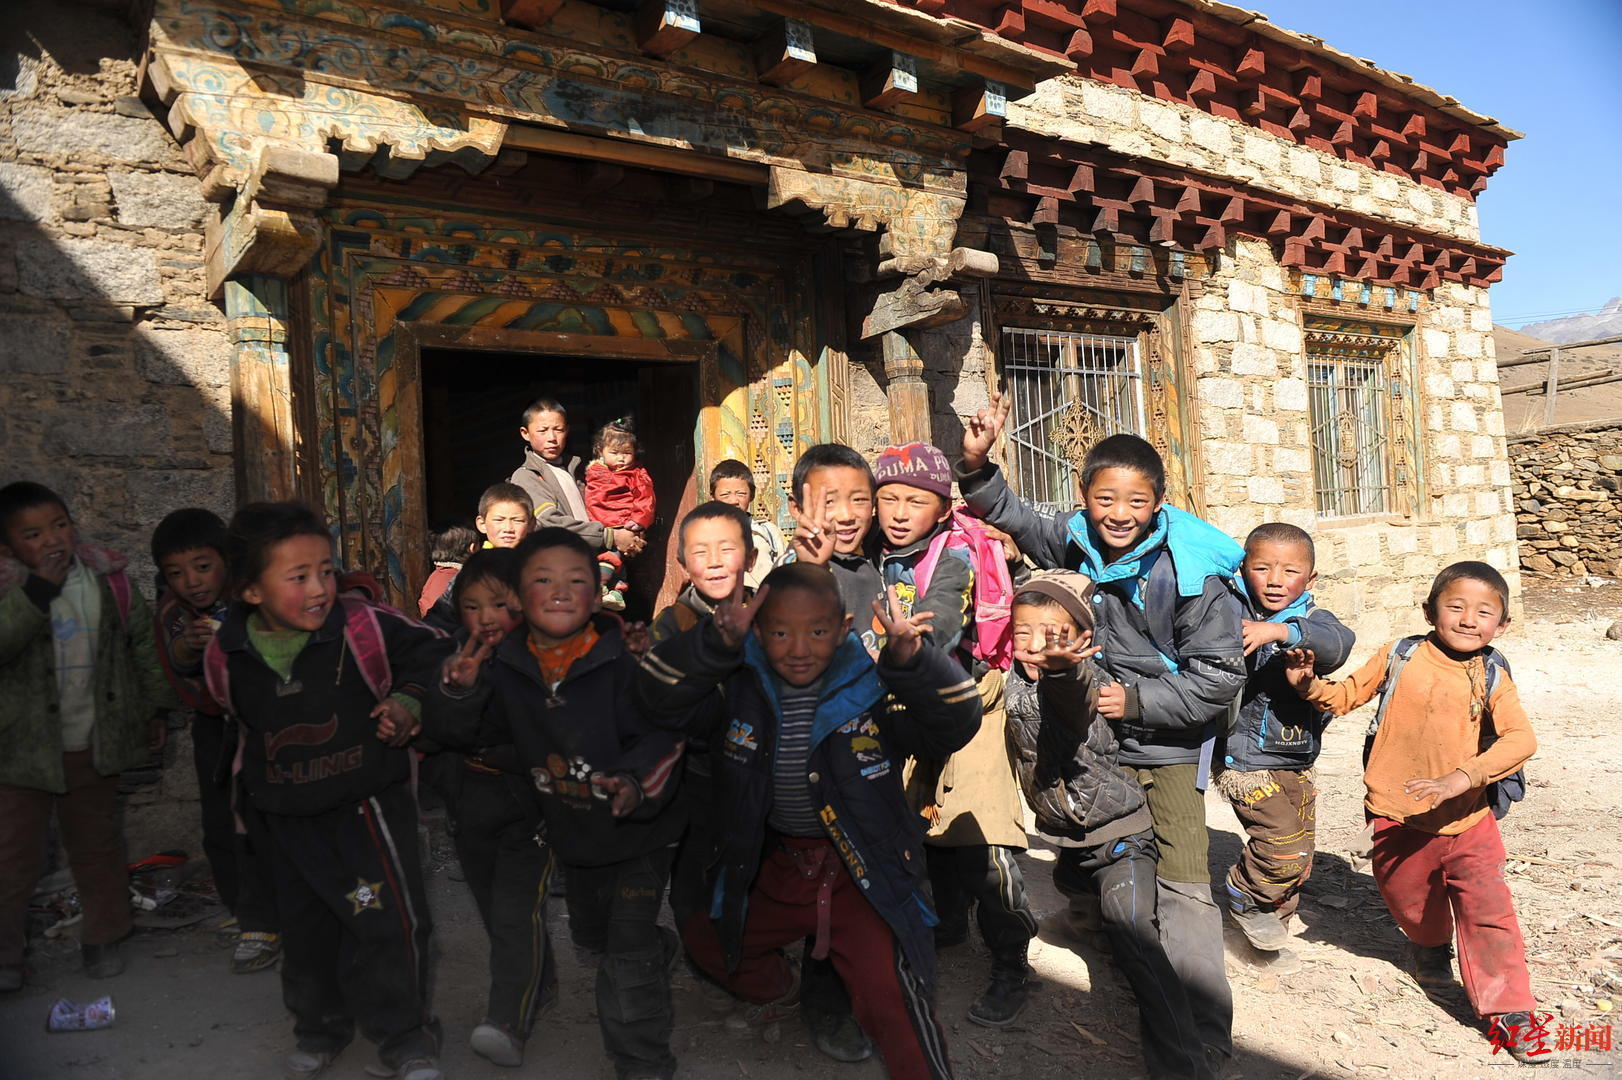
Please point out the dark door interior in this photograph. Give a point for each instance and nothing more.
(472, 408)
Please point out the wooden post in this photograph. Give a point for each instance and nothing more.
(256, 312)
(1552, 388)
(905, 388)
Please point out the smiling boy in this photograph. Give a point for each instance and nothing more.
(1169, 626)
(1266, 773)
(820, 841)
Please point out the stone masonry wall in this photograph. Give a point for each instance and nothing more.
(114, 369)
(1567, 502)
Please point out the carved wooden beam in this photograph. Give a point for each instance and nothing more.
(271, 228)
(663, 26)
(894, 79)
(785, 52)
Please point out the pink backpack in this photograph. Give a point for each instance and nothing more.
(993, 587)
(365, 639)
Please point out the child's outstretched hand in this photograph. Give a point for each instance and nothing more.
(622, 793)
(462, 669)
(903, 634)
(1257, 634)
(1438, 788)
(1298, 669)
(735, 615)
(813, 527)
(629, 542)
(395, 724)
(1060, 652)
(198, 633)
(980, 433)
(637, 639)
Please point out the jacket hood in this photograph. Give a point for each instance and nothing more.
(850, 687)
(1201, 550)
(99, 561)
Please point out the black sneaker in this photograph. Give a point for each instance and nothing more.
(1432, 965)
(1263, 929)
(1514, 1032)
(1002, 1002)
(839, 1036)
(102, 961)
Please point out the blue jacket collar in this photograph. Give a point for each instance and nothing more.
(850, 687)
(1298, 608)
(1201, 549)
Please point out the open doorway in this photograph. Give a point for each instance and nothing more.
(472, 408)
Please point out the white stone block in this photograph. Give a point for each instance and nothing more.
(1470, 476)
(1288, 460)
(1455, 505)
(1498, 474)
(1463, 371)
(1495, 422)
(1243, 296)
(1439, 386)
(1102, 102)
(25, 192)
(1222, 393)
(1290, 394)
(1468, 343)
(1210, 133)
(1463, 416)
(1306, 164)
(162, 200)
(1265, 489)
(1402, 540)
(1216, 326)
(1264, 150)
(1162, 119)
(71, 269)
(1229, 459)
(1438, 343)
(1444, 542)
(1258, 430)
(1251, 359)
(1483, 447)
(1386, 188)
(1448, 317)
(1421, 200)
(1481, 320)
(1345, 179)
(1447, 446)
(1281, 335)
(1478, 534)
(1489, 503)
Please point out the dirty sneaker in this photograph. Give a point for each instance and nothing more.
(255, 951)
(840, 1037)
(496, 1044)
(1002, 1002)
(1263, 929)
(419, 1069)
(307, 1064)
(1527, 1042)
(1431, 965)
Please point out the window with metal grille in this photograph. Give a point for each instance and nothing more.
(1351, 464)
(1067, 391)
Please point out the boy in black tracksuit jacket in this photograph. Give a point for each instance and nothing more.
(1169, 627)
(1268, 757)
(333, 809)
(605, 778)
(822, 841)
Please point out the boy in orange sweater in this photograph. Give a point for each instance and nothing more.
(1450, 727)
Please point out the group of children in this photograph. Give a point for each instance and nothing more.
(828, 743)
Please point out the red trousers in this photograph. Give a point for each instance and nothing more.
(1439, 886)
(795, 881)
(88, 818)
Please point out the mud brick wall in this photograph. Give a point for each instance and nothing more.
(1568, 510)
(114, 367)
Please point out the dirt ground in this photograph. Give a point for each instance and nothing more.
(1349, 1011)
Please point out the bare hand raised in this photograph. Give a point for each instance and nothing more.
(903, 634)
(1257, 634)
(980, 433)
(735, 615)
(1298, 669)
(462, 669)
(813, 527)
(1061, 652)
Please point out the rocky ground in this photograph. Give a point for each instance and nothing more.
(1349, 1011)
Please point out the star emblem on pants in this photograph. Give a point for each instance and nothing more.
(367, 895)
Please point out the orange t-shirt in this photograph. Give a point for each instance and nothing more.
(1431, 727)
(555, 660)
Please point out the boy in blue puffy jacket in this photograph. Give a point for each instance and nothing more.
(1168, 627)
(1267, 763)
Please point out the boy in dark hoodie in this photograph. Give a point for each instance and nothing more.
(821, 840)
(1266, 773)
(559, 690)
(1168, 622)
(1090, 808)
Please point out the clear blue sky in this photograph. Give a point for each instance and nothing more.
(1552, 70)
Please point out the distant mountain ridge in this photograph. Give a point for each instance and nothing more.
(1606, 323)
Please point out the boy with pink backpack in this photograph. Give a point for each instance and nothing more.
(951, 575)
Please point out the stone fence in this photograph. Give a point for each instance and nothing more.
(1568, 513)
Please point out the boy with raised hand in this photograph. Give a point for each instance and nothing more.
(559, 691)
(79, 683)
(1266, 773)
(1169, 627)
(821, 842)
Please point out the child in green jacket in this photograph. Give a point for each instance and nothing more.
(79, 684)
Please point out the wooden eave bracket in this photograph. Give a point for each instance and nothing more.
(915, 302)
(663, 26)
(534, 14)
